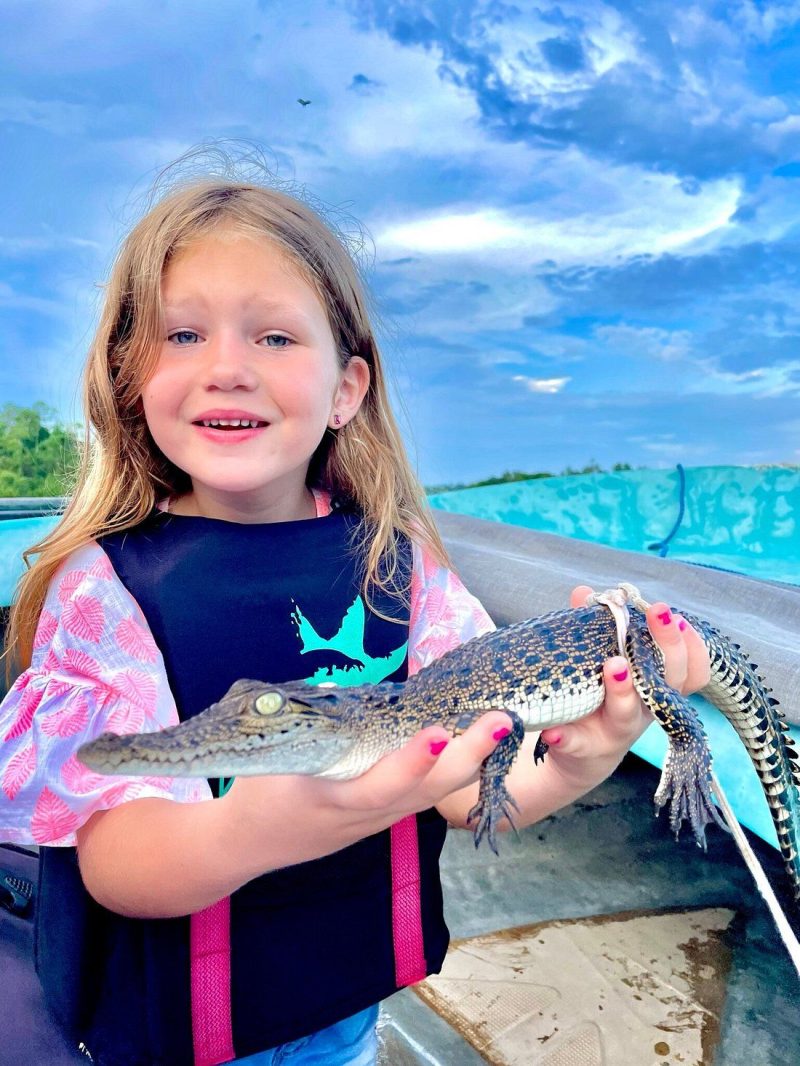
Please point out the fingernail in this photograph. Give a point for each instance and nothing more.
(621, 675)
(555, 740)
(438, 746)
(665, 618)
(500, 733)
(682, 625)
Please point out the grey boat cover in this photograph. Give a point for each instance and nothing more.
(519, 573)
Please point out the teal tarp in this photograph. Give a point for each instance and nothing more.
(739, 518)
(16, 535)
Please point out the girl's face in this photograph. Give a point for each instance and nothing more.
(245, 339)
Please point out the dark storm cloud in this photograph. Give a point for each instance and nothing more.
(674, 283)
(563, 54)
(645, 110)
(364, 85)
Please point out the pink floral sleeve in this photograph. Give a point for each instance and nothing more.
(443, 613)
(95, 668)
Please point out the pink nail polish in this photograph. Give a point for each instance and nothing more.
(682, 625)
(665, 618)
(500, 733)
(621, 675)
(438, 746)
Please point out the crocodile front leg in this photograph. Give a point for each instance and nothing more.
(494, 799)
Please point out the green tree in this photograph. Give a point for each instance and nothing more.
(38, 455)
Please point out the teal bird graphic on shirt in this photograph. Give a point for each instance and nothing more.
(348, 641)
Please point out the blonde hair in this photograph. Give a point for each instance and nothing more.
(122, 472)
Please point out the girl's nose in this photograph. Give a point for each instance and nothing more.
(230, 363)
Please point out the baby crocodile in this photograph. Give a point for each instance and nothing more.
(544, 672)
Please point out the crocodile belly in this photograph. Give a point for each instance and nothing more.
(557, 705)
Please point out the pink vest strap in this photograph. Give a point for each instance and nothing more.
(212, 1031)
(210, 945)
(409, 948)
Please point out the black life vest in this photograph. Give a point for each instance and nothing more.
(310, 944)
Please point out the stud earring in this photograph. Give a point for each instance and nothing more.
(337, 421)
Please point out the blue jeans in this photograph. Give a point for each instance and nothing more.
(352, 1042)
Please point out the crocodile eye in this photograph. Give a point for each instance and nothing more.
(269, 703)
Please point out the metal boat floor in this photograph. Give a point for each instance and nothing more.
(596, 939)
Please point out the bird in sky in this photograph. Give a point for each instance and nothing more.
(305, 103)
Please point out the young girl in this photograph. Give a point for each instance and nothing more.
(246, 509)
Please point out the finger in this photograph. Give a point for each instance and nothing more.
(698, 665)
(578, 595)
(624, 713)
(396, 775)
(573, 739)
(485, 734)
(560, 737)
(615, 726)
(664, 627)
(430, 765)
(461, 762)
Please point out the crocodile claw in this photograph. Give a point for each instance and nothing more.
(686, 786)
(489, 813)
(540, 749)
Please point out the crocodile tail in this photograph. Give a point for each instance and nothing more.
(741, 693)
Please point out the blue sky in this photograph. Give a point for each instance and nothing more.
(580, 220)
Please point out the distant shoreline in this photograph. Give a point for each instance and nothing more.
(591, 468)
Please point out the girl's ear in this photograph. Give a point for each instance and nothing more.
(350, 392)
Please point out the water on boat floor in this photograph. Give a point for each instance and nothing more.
(595, 938)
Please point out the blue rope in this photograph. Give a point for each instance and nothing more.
(662, 546)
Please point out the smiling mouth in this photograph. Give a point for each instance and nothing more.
(231, 423)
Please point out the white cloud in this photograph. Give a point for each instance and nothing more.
(780, 380)
(417, 112)
(679, 354)
(762, 21)
(464, 299)
(629, 212)
(54, 242)
(547, 385)
(55, 116)
(18, 301)
(605, 39)
(783, 132)
(649, 342)
(680, 451)
(468, 232)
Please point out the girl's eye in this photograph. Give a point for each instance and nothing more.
(276, 340)
(182, 337)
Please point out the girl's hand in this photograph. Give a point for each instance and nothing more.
(588, 750)
(281, 820)
(430, 766)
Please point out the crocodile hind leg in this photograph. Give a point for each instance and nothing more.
(686, 777)
(494, 799)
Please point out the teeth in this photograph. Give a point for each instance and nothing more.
(244, 423)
